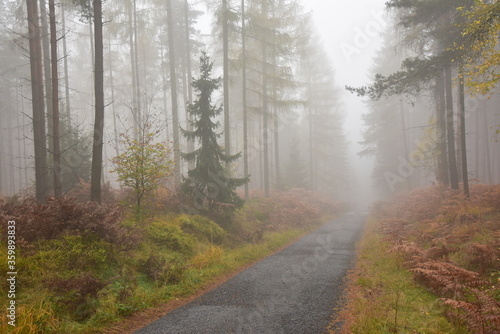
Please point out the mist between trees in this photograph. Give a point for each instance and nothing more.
(432, 103)
(71, 85)
(281, 104)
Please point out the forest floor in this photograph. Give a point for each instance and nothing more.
(428, 262)
(89, 268)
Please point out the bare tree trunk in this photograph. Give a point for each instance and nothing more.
(458, 137)
(48, 82)
(113, 106)
(41, 170)
(225, 76)
(487, 162)
(164, 82)
(136, 67)
(10, 148)
(275, 110)
(244, 87)
(190, 142)
(443, 169)
(173, 88)
(132, 65)
(55, 102)
(311, 128)
(463, 137)
(406, 152)
(265, 125)
(452, 159)
(66, 76)
(97, 146)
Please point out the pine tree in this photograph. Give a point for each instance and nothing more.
(209, 185)
(296, 173)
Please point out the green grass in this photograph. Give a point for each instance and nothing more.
(384, 298)
(130, 289)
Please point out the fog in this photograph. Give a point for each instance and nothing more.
(299, 126)
(352, 37)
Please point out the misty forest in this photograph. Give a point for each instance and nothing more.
(152, 150)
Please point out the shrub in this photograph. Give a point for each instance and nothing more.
(71, 253)
(165, 271)
(211, 256)
(431, 227)
(201, 228)
(38, 316)
(62, 216)
(77, 295)
(170, 237)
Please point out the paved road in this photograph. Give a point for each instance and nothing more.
(291, 292)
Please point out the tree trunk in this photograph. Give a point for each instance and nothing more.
(48, 81)
(244, 93)
(66, 76)
(275, 109)
(487, 162)
(406, 152)
(55, 102)
(225, 75)
(136, 68)
(443, 169)
(132, 65)
(452, 159)
(311, 128)
(164, 82)
(463, 137)
(98, 141)
(113, 106)
(173, 88)
(265, 125)
(190, 142)
(39, 137)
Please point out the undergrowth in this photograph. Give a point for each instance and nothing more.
(83, 266)
(441, 241)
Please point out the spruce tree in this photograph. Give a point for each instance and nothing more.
(208, 184)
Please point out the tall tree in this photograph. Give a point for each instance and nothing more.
(66, 75)
(46, 49)
(41, 169)
(55, 102)
(225, 76)
(173, 90)
(265, 101)
(450, 129)
(244, 94)
(189, 78)
(463, 143)
(98, 139)
(209, 185)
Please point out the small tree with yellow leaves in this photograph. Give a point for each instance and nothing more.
(144, 164)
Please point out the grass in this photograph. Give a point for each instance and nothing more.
(95, 269)
(382, 296)
(428, 263)
(133, 291)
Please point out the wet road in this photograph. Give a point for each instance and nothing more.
(291, 292)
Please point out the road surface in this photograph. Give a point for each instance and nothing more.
(291, 292)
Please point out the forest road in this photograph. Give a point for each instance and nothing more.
(291, 292)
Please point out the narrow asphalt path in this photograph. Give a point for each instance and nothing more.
(291, 292)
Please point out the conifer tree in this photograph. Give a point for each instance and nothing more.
(209, 185)
(296, 173)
